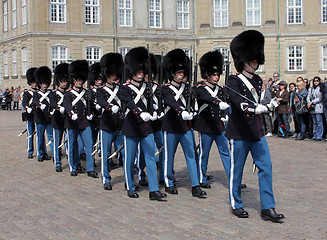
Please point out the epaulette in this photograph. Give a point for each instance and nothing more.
(236, 74)
(126, 84)
(167, 84)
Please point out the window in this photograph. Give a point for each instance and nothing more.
(294, 11)
(14, 62)
(24, 12)
(92, 8)
(295, 58)
(253, 12)
(5, 16)
(220, 13)
(187, 51)
(224, 51)
(324, 58)
(24, 60)
(125, 13)
(155, 13)
(14, 13)
(324, 11)
(93, 54)
(124, 50)
(58, 55)
(5, 63)
(183, 14)
(58, 11)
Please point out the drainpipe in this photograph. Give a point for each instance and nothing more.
(114, 24)
(278, 38)
(193, 23)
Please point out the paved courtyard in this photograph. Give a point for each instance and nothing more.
(38, 203)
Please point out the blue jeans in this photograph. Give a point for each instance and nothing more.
(318, 125)
(301, 123)
(239, 151)
(283, 119)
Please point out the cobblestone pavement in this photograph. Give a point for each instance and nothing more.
(38, 203)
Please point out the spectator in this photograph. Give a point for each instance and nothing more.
(16, 97)
(265, 118)
(324, 99)
(273, 87)
(291, 111)
(315, 104)
(307, 83)
(8, 99)
(283, 97)
(301, 93)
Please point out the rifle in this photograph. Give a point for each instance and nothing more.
(189, 95)
(89, 98)
(224, 90)
(150, 84)
(160, 82)
(122, 80)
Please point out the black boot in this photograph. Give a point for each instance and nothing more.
(271, 215)
(198, 192)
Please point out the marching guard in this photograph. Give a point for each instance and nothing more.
(28, 114)
(137, 126)
(108, 98)
(58, 111)
(244, 130)
(211, 115)
(176, 124)
(41, 103)
(78, 114)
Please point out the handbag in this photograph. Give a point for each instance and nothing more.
(301, 108)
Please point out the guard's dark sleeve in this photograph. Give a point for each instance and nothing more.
(67, 104)
(126, 97)
(203, 95)
(53, 100)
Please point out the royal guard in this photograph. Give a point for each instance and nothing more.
(58, 111)
(244, 130)
(176, 124)
(211, 118)
(78, 109)
(137, 126)
(108, 98)
(41, 103)
(28, 114)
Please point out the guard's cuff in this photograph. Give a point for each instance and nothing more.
(137, 111)
(180, 109)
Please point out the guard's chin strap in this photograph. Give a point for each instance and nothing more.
(138, 78)
(248, 65)
(212, 79)
(180, 79)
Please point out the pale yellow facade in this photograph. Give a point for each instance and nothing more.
(40, 34)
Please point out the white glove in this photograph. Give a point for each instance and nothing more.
(114, 108)
(62, 110)
(145, 116)
(154, 116)
(260, 109)
(225, 119)
(223, 105)
(161, 115)
(97, 107)
(74, 117)
(155, 107)
(29, 110)
(43, 106)
(187, 116)
(89, 117)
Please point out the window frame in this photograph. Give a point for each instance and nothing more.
(323, 57)
(14, 13)
(5, 64)
(59, 59)
(157, 12)
(92, 6)
(124, 10)
(24, 12)
(294, 7)
(57, 4)
(323, 8)
(5, 16)
(93, 59)
(24, 61)
(14, 62)
(182, 16)
(123, 50)
(253, 10)
(220, 11)
(295, 46)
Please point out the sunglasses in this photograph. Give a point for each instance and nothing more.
(316, 80)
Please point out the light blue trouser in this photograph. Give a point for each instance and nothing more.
(41, 146)
(239, 151)
(73, 153)
(30, 141)
(107, 138)
(205, 142)
(171, 141)
(147, 145)
(57, 138)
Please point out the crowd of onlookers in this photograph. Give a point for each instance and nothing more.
(302, 103)
(10, 98)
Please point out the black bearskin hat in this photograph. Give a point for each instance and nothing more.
(247, 46)
(30, 75)
(135, 60)
(94, 73)
(111, 63)
(210, 63)
(61, 73)
(79, 69)
(176, 60)
(43, 75)
(154, 69)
